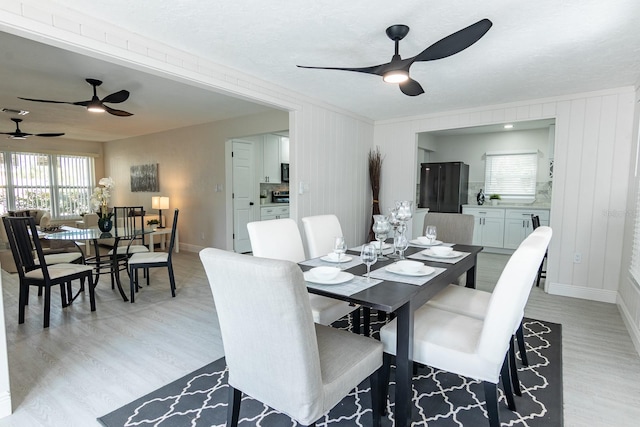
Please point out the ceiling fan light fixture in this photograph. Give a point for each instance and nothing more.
(95, 107)
(396, 76)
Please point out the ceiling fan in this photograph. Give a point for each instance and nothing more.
(18, 134)
(397, 70)
(96, 104)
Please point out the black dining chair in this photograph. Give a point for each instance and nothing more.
(23, 239)
(147, 260)
(542, 273)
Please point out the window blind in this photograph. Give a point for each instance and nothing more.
(511, 174)
(634, 268)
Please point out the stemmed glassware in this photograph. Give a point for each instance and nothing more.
(401, 243)
(431, 233)
(369, 256)
(381, 228)
(339, 248)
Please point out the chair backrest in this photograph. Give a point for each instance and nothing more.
(173, 231)
(535, 221)
(451, 227)
(130, 218)
(510, 295)
(274, 357)
(321, 231)
(276, 239)
(23, 239)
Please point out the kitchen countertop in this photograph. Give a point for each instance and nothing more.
(509, 206)
(271, 205)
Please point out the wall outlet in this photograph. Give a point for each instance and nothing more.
(577, 258)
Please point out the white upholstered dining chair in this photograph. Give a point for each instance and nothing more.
(281, 239)
(281, 357)
(472, 347)
(320, 232)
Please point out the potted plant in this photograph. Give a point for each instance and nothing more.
(494, 199)
(153, 223)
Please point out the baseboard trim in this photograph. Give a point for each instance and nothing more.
(628, 320)
(581, 292)
(5, 404)
(187, 247)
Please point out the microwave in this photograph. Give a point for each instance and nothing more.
(284, 172)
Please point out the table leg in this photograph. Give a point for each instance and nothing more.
(471, 274)
(404, 364)
(151, 245)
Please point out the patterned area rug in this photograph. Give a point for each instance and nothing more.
(441, 399)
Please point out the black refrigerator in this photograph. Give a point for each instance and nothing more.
(444, 187)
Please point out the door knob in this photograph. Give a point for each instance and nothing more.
(250, 203)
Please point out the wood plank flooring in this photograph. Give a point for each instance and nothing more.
(87, 364)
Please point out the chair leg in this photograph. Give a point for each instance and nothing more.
(92, 294)
(146, 274)
(233, 410)
(521, 345)
(491, 398)
(377, 398)
(133, 283)
(63, 295)
(506, 383)
(47, 305)
(515, 382)
(172, 280)
(23, 299)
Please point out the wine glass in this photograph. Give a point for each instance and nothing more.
(381, 228)
(401, 243)
(431, 233)
(369, 256)
(339, 248)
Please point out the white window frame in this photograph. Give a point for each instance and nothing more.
(516, 182)
(70, 183)
(634, 265)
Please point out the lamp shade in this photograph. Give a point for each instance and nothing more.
(159, 202)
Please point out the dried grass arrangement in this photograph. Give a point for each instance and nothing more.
(375, 171)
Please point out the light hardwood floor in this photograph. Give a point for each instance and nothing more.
(88, 364)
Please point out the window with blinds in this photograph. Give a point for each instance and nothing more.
(511, 174)
(634, 268)
(60, 184)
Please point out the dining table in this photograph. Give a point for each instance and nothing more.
(395, 294)
(102, 262)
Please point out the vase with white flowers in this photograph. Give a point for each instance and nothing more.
(99, 203)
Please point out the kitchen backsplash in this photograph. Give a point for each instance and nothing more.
(543, 193)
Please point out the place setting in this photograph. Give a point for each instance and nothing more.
(407, 271)
(337, 258)
(340, 282)
(440, 253)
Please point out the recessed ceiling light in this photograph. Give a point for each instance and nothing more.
(509, 126)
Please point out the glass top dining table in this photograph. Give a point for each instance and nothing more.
(403, 299)
(95, 235)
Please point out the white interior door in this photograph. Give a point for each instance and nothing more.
(243, 194)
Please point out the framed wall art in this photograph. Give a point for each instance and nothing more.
(145, 178)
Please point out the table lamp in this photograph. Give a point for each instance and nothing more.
(160, 202)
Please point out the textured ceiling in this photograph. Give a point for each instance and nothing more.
(535, 49)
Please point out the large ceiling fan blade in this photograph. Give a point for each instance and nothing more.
(115, 112)
(456, 42)
(117, 97)
(411, 88)
(47, 135)
(369, 70)
(46, 100)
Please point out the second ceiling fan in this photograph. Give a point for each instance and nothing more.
(397, 70)
(96, 104)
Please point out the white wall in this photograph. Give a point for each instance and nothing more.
(592, 161)
(470, 149)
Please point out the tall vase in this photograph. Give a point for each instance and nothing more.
(105, 224)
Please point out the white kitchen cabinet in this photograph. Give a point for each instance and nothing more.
(274, 212)
(488, 229)
(518, 225)
(270, 159)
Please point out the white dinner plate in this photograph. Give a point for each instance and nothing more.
(424, 271)
(452, 254)
(342, 277)
(344, 258)
(384, 245)
(426, 245)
